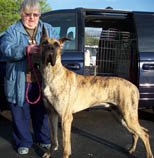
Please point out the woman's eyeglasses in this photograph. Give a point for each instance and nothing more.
(35, 15)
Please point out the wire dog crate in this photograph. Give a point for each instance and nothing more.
(113, 57)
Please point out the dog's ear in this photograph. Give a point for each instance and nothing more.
(44, 34)
(62, 40)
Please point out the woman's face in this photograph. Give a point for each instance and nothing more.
(30, 17)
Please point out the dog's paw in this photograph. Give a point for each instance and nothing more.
(149, 156)
(55, 148)
(46, 155)
(131, 150)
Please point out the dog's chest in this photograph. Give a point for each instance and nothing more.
(47, 76)
(46, 91)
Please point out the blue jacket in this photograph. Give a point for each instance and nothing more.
(12, 48)
(1, 57)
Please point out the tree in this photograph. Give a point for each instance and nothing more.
(9, 12)
(89, 40)
(44, 6)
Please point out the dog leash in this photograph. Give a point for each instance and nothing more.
(30, 65)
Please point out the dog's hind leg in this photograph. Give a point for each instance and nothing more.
(134, 136)
(119, 117)
(66, 133)
(134, 127)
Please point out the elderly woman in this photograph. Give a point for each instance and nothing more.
(26, 32)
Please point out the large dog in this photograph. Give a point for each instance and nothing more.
(65, 93)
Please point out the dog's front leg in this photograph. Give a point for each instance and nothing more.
(66, 133)
(53, 118)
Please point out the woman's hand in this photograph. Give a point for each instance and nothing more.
(33, 49)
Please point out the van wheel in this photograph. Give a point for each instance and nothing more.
(153, 109)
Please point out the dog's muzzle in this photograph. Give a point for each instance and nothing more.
(49, 55)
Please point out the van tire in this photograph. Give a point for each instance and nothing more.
(153, 110)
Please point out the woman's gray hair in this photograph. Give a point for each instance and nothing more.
(28, 4)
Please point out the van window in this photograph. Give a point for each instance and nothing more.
(57, 29)
(65, 25)
(71, 34)
(145, 31)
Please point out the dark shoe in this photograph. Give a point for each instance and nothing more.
(47, 146)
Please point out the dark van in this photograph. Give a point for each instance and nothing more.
(109, 42)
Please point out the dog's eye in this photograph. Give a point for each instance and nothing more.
(56, 44)
(44, 43)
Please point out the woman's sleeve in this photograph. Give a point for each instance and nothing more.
(10, 46)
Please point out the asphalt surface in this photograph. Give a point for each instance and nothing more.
(95, 134)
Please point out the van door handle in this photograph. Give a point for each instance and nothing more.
(72, 66)
(148, 67)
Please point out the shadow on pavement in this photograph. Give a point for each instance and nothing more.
(7, 145)
(6, 128)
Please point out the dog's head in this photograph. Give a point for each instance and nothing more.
(50, 48)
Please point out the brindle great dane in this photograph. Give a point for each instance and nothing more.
(65, 93)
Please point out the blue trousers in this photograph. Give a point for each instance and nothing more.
(21, 117)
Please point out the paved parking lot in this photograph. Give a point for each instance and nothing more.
(95, 134)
